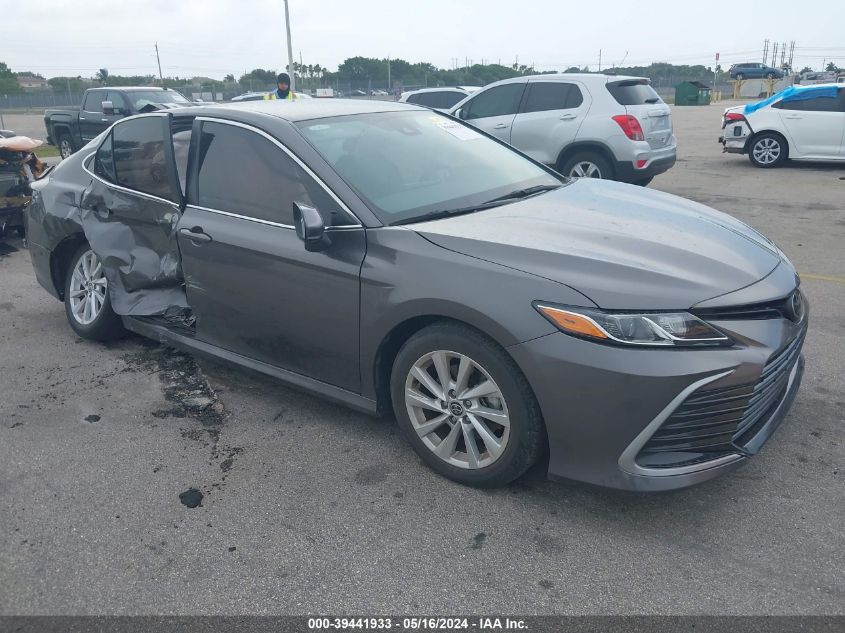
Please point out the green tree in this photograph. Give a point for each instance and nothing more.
(831, 67)
(8, 82)
(102, 75)
(63, 84)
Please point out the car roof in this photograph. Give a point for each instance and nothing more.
(446, 88)
(131, 88)
(303, 109)
(594, 78)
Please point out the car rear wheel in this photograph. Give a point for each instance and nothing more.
(65, 145)
(767, 150)
(587, 165)
(465, 407)
(87, 303)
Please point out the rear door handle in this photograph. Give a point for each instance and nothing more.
(568, 117)
(500, 126)
(792, 116)
(195, 234)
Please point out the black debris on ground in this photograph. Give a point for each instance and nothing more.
(191, 498)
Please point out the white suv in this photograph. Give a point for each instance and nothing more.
(800, 123)
(583, 125)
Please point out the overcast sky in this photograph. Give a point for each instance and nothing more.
(216, 37)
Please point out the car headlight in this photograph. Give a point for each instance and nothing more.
(663, 329)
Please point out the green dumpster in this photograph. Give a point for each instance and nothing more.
(692, 93)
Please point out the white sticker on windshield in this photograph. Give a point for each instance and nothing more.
(460, 132)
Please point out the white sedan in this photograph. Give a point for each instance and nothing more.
(799, 123)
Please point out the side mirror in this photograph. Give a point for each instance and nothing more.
(108, 107)
(310, 227)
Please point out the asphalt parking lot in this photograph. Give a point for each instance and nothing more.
(311, 508)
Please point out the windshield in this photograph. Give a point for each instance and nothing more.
(407, 165)
(140, 98)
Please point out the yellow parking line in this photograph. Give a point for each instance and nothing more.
(838, 280)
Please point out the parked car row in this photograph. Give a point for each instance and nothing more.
(497, 309)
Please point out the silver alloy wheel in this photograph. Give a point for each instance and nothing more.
(766, 151)
(88, 288)
(457, 409)
(585, 169)
(65, 148)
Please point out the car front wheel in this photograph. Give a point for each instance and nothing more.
(767, 150)
(465, 406)
(87, 303)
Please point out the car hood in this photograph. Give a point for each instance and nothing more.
(622, 246)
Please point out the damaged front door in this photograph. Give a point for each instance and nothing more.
(129, 214)
(253, 287)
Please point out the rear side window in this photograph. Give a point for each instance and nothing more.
(441, 99)
(818, 104)
(498, 101)
(556, 95)
(140, 162)
(104, 160)
(637, 92)
(244, 173)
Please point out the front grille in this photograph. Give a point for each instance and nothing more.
(715, 422)
(777, 309)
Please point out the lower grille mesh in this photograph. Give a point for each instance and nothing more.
(721, 421)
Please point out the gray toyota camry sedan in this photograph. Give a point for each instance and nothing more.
(395, 260)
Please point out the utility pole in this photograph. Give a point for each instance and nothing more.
(775, 54)
(158, 59)
(290, 48)
(599, 60)
(765, 50)
(301, 66)
(388, 74)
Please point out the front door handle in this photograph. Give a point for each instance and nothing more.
(500, 126)
(568, 117)
(195, 234)
(792, 116)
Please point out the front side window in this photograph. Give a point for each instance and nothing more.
(242, 172)
(117, 101)
(94, 101)
(140, 161)
(498, 101)
(405, 165)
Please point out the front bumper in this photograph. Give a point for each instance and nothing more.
(602, 404)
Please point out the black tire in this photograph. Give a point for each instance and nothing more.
(107, 325)
(773, 140)
(527, 436)
(604, 167)
(643, 182)
(770, 76)
(66, 145)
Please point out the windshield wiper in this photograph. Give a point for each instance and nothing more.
(495, 202)
(524, 193)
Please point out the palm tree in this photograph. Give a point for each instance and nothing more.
(102, 75)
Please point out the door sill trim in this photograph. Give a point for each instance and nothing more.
(170, 337)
